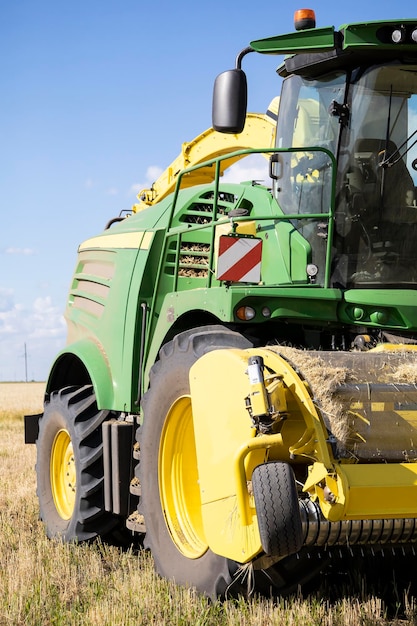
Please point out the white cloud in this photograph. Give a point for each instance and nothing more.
(42, 318)
(89, 183)
(48, 320)
(6, 300)
(152, 174)
(39, 326)
(253, 167)
(20, 251)
(112, 191)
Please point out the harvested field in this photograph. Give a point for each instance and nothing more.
(46, 582)
(21, 397)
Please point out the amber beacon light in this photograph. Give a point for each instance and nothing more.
(304, 18)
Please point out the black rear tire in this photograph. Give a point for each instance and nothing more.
(69, 467)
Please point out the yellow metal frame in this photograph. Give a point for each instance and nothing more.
(228, 448)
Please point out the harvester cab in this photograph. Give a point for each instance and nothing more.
(254, 344)
(345, 143)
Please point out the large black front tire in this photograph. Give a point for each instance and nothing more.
(69, 467)
(170, 497)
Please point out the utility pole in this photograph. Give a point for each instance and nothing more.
(26, 364)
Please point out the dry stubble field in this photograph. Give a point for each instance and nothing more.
(45, 582)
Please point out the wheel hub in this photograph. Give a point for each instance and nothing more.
(63, 474)
(178, 480)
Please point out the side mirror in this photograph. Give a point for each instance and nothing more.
(230, 96)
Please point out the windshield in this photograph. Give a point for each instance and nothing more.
(302, 178)
(304, 118)
(376, 212)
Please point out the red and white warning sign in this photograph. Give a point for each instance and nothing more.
(239, 259)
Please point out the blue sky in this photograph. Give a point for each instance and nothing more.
(96, 100)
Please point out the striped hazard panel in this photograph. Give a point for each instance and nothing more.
(239, 259)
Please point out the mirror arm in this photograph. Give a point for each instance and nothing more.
(242, 54)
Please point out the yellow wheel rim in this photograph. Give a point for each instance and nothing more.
(178, 480)
(63, 474)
